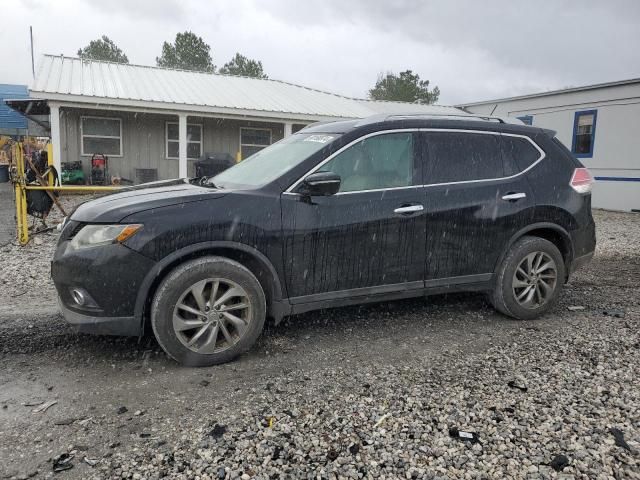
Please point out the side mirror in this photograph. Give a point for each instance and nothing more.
(321, 184)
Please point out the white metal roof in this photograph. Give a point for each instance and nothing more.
(562, 91)
(67, 79)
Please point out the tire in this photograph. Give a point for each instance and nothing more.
(512, 290)
(189, 326)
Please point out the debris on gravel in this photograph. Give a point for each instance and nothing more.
(62, 462)
(559, 462)
(619, 438)
(575, 308)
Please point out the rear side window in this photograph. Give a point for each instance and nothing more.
(460, 156)
(519, 154)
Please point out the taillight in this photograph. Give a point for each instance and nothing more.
(581, 181)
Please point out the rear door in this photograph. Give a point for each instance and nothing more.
(369, 237)
(474, 203)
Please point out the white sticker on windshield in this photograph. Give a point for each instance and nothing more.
(319, 138)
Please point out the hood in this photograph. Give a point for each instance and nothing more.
(114, 207)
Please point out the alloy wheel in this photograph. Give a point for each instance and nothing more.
(212, 315)
(535, 280)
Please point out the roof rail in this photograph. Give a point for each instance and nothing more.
(462, 116)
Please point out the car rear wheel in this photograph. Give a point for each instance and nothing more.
(529, 279)
(208, 311)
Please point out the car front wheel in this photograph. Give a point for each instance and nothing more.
(208, 311)
(529, 279)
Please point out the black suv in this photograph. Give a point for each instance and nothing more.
(338, 214)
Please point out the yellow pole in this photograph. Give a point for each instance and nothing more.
(50, 163)
(22, 225)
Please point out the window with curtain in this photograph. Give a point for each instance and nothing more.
(584, 129)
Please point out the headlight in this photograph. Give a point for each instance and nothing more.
(94, 235)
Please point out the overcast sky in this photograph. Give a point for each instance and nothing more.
(472, 50)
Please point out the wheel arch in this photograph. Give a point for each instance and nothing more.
(549, 231)
(246, 255)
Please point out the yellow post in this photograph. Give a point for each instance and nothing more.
(50, 163)
(22, 225)
(21, 187)
(238, 156)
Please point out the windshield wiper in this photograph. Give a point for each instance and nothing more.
(207, 182)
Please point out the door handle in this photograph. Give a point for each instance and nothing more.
(409, 209)
(512, 197)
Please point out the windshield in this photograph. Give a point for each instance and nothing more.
(268, 164)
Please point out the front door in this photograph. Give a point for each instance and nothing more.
(369, 237)
(473, 204)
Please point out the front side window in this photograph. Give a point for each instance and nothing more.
(378, 162)
(194, 140)
(584, 130)
(271, 162)
(461, 156)
(253, 140)
(101, 135)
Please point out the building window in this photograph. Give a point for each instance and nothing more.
(194, 140)
(101, 135)
(584, 132)
(253, 140)
(526, 119)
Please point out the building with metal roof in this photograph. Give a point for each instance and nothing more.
(155, 122)
(598, 123)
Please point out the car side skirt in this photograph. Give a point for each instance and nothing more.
(383, 293)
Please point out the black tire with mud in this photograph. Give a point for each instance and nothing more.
(503, 298)
(181, 278)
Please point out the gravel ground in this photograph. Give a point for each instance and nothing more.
(25, 270)
(381, 391)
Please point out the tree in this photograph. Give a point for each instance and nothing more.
(188, 52)
(406, 87)
(103, 49)
(241, 65)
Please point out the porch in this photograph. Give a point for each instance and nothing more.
(142, 145)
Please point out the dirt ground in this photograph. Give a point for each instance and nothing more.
(123, 404)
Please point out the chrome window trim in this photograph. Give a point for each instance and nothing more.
(289, 191)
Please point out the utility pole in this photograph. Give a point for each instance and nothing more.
(33, 65)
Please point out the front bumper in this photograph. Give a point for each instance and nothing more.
(110, 276)
(124, 326)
